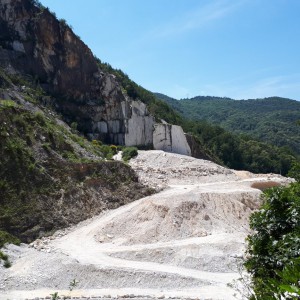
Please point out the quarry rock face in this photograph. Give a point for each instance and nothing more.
(33, 42)
(170, 138)
(141, 123)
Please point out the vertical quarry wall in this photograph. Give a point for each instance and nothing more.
(139, 128)
(170, 138)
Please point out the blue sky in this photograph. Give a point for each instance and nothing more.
(184, 48)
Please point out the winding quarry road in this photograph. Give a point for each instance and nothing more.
(183, 242)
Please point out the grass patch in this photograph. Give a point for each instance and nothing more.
(129, 152)
(7, 264)
(7, 104)
(5, 237)
(3, 256)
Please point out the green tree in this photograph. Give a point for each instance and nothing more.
(274, 247)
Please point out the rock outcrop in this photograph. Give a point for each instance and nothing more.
(33, 42)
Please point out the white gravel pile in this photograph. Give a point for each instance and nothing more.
(160, 169)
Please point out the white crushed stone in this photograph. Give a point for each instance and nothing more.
(183, 242)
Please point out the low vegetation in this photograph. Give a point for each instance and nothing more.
(5, 260)
(5, 237)
(274, 247)
(129, 152)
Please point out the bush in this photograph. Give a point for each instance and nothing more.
(3, 256)
(40, 118)
(295, 171)
(96, 143)
(7, 264)
(74, 127)
(5, 237)
(114, 149)
(106, 151)
(7, 103)
(129, 152)
(274, 247)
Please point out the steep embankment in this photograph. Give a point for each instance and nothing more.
(185, 241)
(51, 177)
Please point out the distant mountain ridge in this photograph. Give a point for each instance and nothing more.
(273, 119)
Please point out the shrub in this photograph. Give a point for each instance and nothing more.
(106, 151)
(71, 156)
(40, 118)
(46, 146)
(3, 256)
(274, 246)
(129, 152)
(5, 237)
(295, 171)
(74, 126)
(7, 264)
(8, 103)
(96, 143)
(114, 149)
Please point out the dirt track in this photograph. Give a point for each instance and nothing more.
(184, 241)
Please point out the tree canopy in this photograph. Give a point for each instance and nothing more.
(274, 247)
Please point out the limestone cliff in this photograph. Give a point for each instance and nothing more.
(34, 43)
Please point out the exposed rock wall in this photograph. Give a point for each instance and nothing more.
(139, 128)
(34, 42)
(37, 43)
(170, 138)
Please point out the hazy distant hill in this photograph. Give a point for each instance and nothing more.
(273, 119)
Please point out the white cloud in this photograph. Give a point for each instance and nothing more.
(282, 86)
(177, 90)
(285, 86)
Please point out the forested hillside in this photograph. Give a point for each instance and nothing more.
(273, 120)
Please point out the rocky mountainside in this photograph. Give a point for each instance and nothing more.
(50, 176)
(37, 45)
